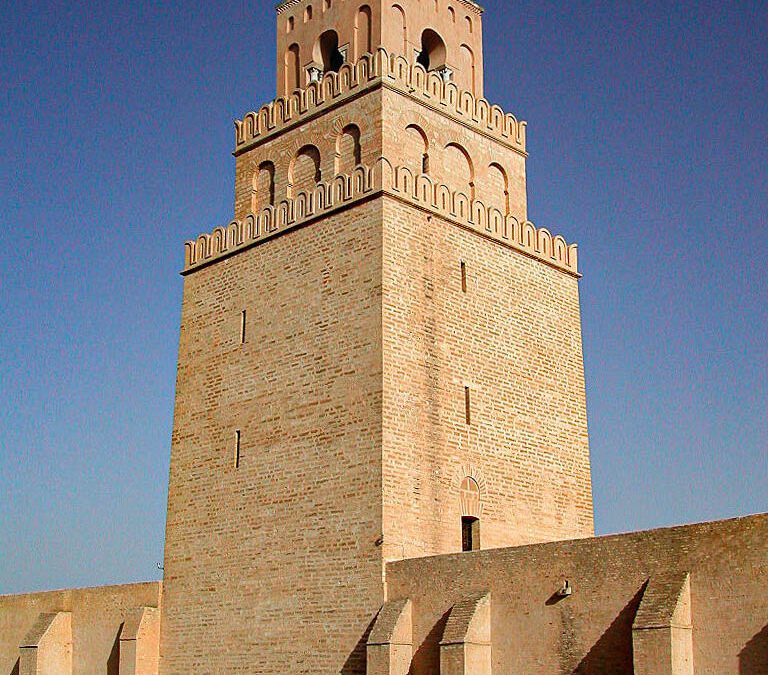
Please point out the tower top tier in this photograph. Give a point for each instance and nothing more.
(315, 36)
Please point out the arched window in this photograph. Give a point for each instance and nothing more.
(470, 519)
(452, 13)
(470, 26)
(417, 148)
(498, 188)
(433, 52)
(459, 171)
(326, 5)
(327, 52)
(468, 68)
(363, 29)
(290, 24)
(304, 171)
(401, 20)
(348, 149)
(292, 68)
(263, 187)
(308, 14)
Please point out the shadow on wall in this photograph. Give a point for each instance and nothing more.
(113, 662)
(15, 669)
(753, 659)
(356, 663)
(427, 656)
(612, 653)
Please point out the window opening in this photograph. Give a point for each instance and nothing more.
(327, 52)
(467, 406)
(470, 533)
(433, 53)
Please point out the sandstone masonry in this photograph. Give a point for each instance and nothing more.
(380, 458)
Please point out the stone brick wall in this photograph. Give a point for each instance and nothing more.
(590, 631)
(513, 338)
(273, 565)
(97, 615)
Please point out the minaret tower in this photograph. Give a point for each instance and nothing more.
(380, 356)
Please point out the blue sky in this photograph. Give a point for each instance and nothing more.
(648, 140)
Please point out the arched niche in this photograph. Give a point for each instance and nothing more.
(468, 68)
(470, 497)
(459, 169)
(402, 23)
(363, 31)
(292, 68)
(263, 187)
(498, 187)
(304, 170)
(417, 149)
(348, 149)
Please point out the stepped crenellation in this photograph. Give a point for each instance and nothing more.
(399, 182)
(381, 69)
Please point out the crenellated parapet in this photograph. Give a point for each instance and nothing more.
(371, 70)
(325, 198)
(488, 220)
(396, 181)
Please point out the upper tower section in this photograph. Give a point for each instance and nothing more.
(316, 36)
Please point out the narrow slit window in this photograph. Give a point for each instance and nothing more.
(242, 327)
(470, 533)
(467, 405)
(463, 276)
(237, 448)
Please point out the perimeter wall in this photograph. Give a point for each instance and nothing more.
(636, 601)
(77, 630)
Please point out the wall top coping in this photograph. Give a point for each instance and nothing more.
(365, 183)
(110, 588)
(370, 71)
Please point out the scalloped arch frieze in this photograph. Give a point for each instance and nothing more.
(396, 71)
(400, 182)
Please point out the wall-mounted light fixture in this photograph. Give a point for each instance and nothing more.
(446, 73)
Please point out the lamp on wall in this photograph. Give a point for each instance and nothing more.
(445, 73)
(315, 74)
(565, 590)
